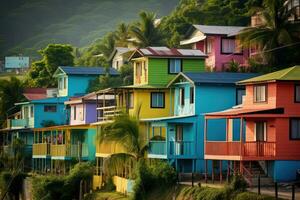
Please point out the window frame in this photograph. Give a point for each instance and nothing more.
(130, 103)
(237, 96)
(265, 134)
(49, 111)
(234, 51)
(295, 93)
(74, 113)
(179, 137)
(192, 95)
(266, 93)
(163, 95)
(169, 66)
(290, 128)
(181, 96)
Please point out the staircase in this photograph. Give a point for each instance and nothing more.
(251, 172)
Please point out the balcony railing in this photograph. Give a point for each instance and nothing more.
(20, 123)
(246, 149)
(157, 147)
(109, 148)
(69, 150)
(182, 148)
(107, 113)
(42, 149)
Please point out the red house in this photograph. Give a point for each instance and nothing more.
(264, 131)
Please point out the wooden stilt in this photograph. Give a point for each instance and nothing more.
(205, 171)
(221, 175)
(212, 171)
(228, 171)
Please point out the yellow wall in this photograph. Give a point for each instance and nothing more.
(142, 98)
(97, 181)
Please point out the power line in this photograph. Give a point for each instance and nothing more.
(269, 50)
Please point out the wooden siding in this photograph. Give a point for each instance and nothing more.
(193, 65)
(286, 98)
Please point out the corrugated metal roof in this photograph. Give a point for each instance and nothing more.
(88, 70)
(219, 30)
(218, 77)
(167, 52)
(35, 93)
(288, 74)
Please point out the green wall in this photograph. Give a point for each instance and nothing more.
(158, 69)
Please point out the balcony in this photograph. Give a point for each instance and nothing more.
(182, 148)
(157, 149)
(107, 113)
(108, 148)
(20, 123)
(240, 151)
(69, 150)
(42, 149)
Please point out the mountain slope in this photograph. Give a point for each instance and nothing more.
(28, 25)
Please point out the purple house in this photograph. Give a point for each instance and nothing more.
(82, 109)
(219, 43)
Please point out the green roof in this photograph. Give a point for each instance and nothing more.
(288, 74)
(144, 86)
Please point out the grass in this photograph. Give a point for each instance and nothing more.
(106, 196)
(7, 75)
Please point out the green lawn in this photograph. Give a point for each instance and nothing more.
(106, 196)
(6, 76)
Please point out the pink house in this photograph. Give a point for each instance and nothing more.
(219, 43)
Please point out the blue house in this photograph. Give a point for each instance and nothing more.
(180, 138)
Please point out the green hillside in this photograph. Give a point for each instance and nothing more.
(28, 25)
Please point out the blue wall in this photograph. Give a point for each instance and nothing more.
(78, 84)
(59, 117)
(91, 141)
(284, 171)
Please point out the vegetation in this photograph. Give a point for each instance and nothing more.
(67, 187)
(14, 180)
(41, 72)
(275, 32)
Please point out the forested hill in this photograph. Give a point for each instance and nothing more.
(28, 25)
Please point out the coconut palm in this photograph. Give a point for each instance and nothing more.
(124, 131)
(276, 32)
(144, 32)
(122, 35)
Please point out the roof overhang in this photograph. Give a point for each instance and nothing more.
(193, 40)
(177, 76)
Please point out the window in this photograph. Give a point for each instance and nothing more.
(191, 95)
(181, 96)
(157, 99)
(26, 112)
(209, 46)
(260, 92)
(261, 131)
(49, 108)
(31, 111)
(179, 133)
(240, 92)
(74, 112)
(297, 93)
(65, 83)
(230, 46)
(295, 128)
(174, 66)
(130, 100)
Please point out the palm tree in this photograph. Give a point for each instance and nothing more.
(276, 35)
(122, 35)
(144, 32)
(124, 131)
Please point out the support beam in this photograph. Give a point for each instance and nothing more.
(221, 175)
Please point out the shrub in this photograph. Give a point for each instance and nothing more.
(47, 188)
(15, 186)
(238, 183)
(252, 196)
(109, 185)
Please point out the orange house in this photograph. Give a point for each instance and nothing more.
(263, 133)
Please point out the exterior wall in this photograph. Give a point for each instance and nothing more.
(158, 69)
(188, 108)
(143, 79)
(271, 97)
(117, 62)
(285, 170)
(90, 140)
(142, 98)
(80, 119)
(62, 92)
(78, 84)
(271, 130)
(285, 97)
(91, 113)
(59, 117)
(216, 59)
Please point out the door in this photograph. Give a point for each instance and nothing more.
(179, 140)
(260, 137)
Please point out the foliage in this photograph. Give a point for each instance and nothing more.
(10, 93)
(15, 180)
(41, 72)
(233, 66)
(238, 183)
(67, 188)
(277, 37)
(252, 196)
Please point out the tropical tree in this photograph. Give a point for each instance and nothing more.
(125, 132)
(277, 36)
(145, 32)
(122, 35)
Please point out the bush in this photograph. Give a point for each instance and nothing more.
(252, 196)
(238, 183)
(15, 186)
(64, 188)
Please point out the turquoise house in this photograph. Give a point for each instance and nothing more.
(180, 138)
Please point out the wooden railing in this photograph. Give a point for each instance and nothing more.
(157, 147)
(69, 150)
(249, 149)
(182, 148)
(41, 149)
(109, 148)
(107, 113)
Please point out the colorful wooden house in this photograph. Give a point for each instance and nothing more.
(219, 43)
(267, 137)
(149, 96)
(120, 56)
(179, 138)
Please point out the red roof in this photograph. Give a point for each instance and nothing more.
(35, 93)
